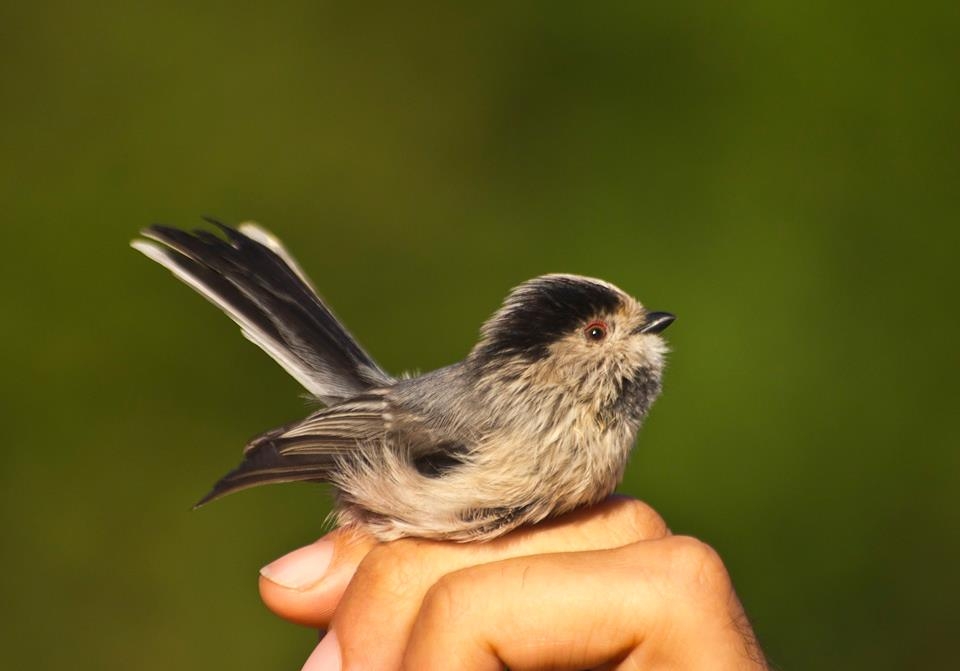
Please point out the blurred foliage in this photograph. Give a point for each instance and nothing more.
(783, 176)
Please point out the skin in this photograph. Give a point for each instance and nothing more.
(604, 588)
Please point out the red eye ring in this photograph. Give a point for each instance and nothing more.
(596, 331)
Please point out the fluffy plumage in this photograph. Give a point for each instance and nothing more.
(538, 419)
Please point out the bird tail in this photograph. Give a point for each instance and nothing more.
(257, 283)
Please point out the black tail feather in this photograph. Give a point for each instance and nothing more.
(273, 303)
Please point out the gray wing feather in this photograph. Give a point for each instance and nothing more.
(309, 450)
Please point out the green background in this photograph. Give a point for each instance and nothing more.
(782, 176)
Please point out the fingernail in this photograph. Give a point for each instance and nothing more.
(301, 568)
(326, 656)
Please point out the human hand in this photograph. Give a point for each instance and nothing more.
(606, 587)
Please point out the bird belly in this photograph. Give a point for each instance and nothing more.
(503, 484)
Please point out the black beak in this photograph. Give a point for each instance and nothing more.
(656, 322)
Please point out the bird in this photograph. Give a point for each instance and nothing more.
(538, 419)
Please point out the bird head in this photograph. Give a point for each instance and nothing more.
(580, 334)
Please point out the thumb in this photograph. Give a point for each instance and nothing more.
(305, 586)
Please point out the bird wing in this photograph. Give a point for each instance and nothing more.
(310, 449)
(258, 284)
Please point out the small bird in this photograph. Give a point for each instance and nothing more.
(537, 420)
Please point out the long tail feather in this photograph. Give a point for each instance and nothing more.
(259, 285)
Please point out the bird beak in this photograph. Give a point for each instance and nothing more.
(655, 322)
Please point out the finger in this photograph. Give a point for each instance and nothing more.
(665, 604)
(619, 520)
(305, 585)
(377, 612)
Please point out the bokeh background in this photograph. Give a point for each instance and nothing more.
(783, 176)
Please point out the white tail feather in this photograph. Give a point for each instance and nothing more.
(256, 232)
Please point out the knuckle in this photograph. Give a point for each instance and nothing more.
(645, 522)
(444, 603)
(698, 567)
(393, 567)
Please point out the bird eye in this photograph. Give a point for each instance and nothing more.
(596, 331)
